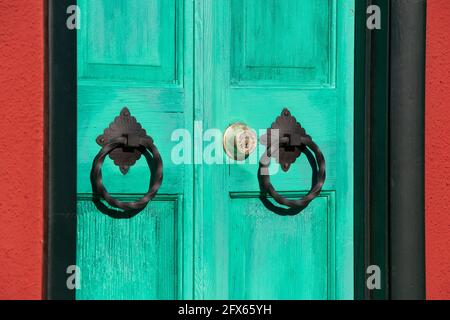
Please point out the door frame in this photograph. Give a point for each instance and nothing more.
(389, 171)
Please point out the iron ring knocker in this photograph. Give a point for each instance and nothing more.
(96, 174)
(292, 143)
(125, 141)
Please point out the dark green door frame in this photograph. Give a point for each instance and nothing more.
(371, 136)
(390, 163)
(389, 114)
(61, 134)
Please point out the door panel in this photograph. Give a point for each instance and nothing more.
(263, 56)
(207, 234)
(95, 117)
(115, 46)
(129, 258)
(256, 270)
(134, 54)
(269, 37)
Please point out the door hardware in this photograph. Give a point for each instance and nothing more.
(125, 141)
(239, 141)
(286, 140)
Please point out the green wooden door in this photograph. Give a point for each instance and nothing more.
(201, 65)
(137, 54)
(262, 56)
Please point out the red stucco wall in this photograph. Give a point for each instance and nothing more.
(21, 147)
(21, 164)
(438, 150)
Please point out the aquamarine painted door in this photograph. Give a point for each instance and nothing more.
(201, 65)
(138, 54)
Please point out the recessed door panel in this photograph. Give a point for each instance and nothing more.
(130, 40)
(267, 56)
(129, 258)
(210, 232)
(283, 43)
(280, 257)
(131, 54)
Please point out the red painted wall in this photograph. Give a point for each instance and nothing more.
(438, 150)
(21, 146)
(21, 167)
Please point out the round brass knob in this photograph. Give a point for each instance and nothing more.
(239, 141)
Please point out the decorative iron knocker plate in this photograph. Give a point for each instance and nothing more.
(123, 126)
(286, 140)
(125, 141)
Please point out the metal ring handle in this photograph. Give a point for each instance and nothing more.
(315, 189)
(97, 179)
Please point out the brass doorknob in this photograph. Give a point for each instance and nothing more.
(239, 141)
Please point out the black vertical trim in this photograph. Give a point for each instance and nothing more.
(359, 161)
(378, 144)
(371, 149)
(62, 159)
(407, 148)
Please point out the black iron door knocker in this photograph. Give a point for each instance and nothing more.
(125, 141)
(286, 140)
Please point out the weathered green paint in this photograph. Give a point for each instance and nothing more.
(275, 259)
(308, 67)
(208, 236)
(141, 255)
(135, 54)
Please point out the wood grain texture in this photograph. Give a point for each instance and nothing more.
(227, 244)
(129, 258)
(264, 260)
(235, 259)
(295, 37)
(120, 40)
(135, 54)
(130, 40)
(95, 117)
